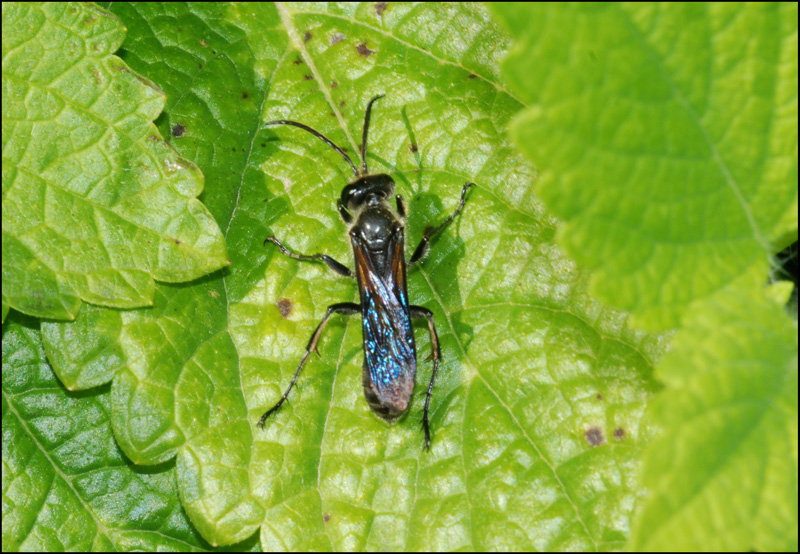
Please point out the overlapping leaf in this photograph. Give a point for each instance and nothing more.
(66, 485)
(667, 137)
(95, 204)
(723, 476)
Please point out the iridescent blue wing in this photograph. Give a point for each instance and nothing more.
(390, 363)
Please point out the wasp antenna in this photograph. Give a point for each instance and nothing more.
(364, 136)
(320, 136)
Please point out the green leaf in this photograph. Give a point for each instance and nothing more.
(723, 476)
(666, 136)
(667, 139)
(66, 485)
(536, 413)
(95, 204)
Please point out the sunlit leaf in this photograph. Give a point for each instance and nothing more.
(96, 206)
(666, 136)
(667, 139)
(536, 412)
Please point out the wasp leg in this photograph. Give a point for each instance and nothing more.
(345, 308)
(436, 354)
(401, 208)
(338, 267)
(422, 249)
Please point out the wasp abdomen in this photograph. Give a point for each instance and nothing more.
(391, 399)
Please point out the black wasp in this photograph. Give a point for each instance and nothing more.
(377, 236)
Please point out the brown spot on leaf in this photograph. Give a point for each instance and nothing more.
(245, 95)
(472, 76)
(380, 7)
(308, 76)
(619, 433)
(594, 436)
(336, 38)
(306, 36)
(326, 518)
(334, 84)
(298, 60)
(414, 148)
(599, 396)
(363, 50)
(284, 307)
(203, 43)
(341, 104)
(178, 130)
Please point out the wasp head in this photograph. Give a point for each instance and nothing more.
(369, 190)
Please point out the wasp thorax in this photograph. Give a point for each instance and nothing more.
(367, 190)
(376, 226)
